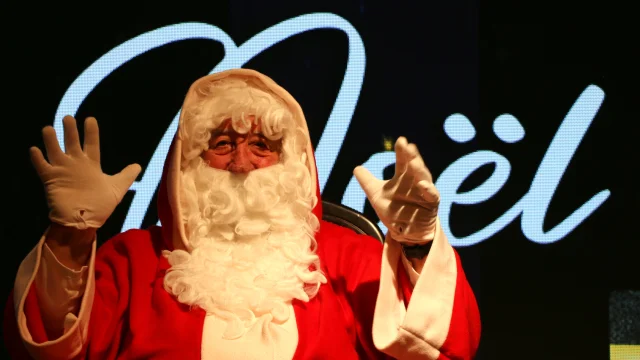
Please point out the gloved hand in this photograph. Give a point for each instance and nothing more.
(78, 193)
(408, 203)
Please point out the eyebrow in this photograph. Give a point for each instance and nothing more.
(227, 132)
(277, 144)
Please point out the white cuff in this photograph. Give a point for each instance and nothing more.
(59, 291)
(75, 327)
(419, 330)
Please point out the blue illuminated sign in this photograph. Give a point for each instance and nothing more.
(532, 206)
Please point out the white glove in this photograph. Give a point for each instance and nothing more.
(78, 193)
(408, 203)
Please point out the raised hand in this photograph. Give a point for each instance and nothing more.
(78, 193)
(408, 203)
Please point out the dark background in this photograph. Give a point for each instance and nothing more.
(424, 63)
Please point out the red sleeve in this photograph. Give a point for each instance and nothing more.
(11, 336)
(441, 318)
(463, 336)
(111, 297)
(352, 263)
(464, 330)
(110, 300)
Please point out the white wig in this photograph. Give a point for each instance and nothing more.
(237, 99)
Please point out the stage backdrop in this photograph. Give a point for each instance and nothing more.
(521, 116)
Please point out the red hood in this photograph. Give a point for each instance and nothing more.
(169, 195)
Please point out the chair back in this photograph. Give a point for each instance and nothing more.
(350, 218)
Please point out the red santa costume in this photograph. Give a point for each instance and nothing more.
(288, 287)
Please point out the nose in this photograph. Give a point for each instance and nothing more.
(241, 159)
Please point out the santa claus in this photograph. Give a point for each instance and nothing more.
(242, 267)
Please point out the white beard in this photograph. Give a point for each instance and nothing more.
(252, 245)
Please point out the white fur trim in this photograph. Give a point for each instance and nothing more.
(265, 340)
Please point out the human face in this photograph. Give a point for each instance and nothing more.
(241, 153)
